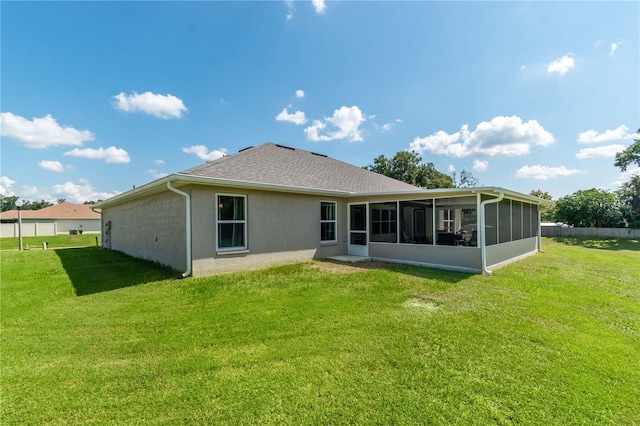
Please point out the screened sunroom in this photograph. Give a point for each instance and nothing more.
(467, 230)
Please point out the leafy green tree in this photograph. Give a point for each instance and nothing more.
(466, 179)
(36, 205)
(407, 167)
(629, 195)
(629, 156)
(589, 208)
(8, 202)
(546, 212)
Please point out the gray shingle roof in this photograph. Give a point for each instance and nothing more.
(279, 165)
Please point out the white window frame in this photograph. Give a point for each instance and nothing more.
(334, 221)
(448, 221)
(219, 222)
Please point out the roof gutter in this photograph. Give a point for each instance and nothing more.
(187, 199)
(483, 236)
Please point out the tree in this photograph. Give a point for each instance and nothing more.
(629, 156)
(8, 202)
(589, 208)
(36, 205)
(467, 179)
(629, 195)
(405, 166)
(546, 212)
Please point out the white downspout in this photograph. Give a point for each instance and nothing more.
(539, 231)
(483, 237)
(187, 199)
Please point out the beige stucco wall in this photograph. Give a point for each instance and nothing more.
(281, 228)
(89, 226)
(150, 228)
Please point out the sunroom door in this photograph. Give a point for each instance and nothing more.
(358, 235)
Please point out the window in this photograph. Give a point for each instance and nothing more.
(232, 224)
(448, 220)
(328, 221)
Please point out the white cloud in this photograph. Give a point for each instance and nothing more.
(384, 128)
(109, 155)
(605, 151)
(162, 106)
(544, 172)
(507, 136)
(480, 165)
(626, 176)
(451, 168)
(202, 152)
(319, 6)
(290, 7)
(41, 132)
(79, 193)
(561, 65)
(614, 47)
(156, 173)
(345, 121)
(52, 166)
(158, 162)
(297, 117)
(299, 93)
(6, 186)
(32, 193)
(592, 136)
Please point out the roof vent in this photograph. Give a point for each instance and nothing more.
(285, 147)
(244, 149)
(319, 155)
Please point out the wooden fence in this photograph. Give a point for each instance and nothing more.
(557, 231)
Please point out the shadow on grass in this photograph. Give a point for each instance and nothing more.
(451, 277)
(600, 243)
(93, 270)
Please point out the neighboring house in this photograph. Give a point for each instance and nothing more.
(272, 204)
(62, 218)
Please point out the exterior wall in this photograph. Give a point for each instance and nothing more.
(501, 254)
(89, 226)
(456, 257)
(281, 228)
(150, 228)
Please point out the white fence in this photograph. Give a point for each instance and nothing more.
(33, 229)
(557, 231)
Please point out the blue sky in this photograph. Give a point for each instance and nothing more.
(99, 97)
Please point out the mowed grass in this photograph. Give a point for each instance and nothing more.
(94, 337)
(28, 243)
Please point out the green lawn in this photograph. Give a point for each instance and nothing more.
(92, 336)
(83, 240)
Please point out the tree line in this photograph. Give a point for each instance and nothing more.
(599, 208)
(585, 208)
